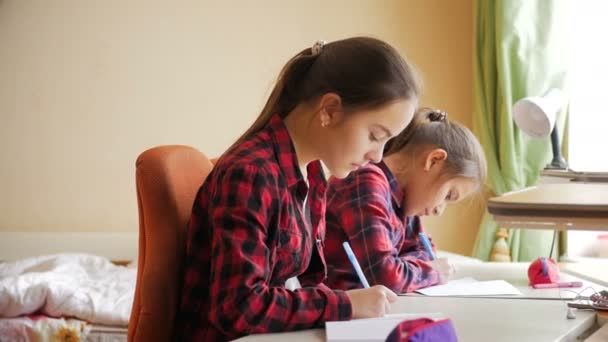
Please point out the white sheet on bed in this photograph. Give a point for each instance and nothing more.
(85, 286)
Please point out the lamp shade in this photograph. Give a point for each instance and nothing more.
(536, 115)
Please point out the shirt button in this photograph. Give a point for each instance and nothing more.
(319, 241)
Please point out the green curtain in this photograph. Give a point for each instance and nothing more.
(520, 50)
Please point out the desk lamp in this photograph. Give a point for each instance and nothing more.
(536, 117)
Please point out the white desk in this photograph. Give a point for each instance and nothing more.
(490, 319)
(481, 319)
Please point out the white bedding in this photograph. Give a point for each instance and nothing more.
(39, 328)
(84, 286)
(43, 328)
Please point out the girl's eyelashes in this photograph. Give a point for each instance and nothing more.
(375, 136)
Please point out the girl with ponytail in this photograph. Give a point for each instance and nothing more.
(259, 217)
(432, 163)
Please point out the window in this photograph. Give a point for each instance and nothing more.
(588, 86)
(588, 96)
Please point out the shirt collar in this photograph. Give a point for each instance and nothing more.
(286, 155)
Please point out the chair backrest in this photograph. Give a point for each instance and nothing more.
(167, 179)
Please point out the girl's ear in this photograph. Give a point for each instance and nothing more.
(434, 158)
(330, 109)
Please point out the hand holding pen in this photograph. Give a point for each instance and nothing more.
(441, 265)
(367, 302)
(445, 270)
(427, 245)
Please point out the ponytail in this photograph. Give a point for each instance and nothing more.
(283, 98)
(365, 72)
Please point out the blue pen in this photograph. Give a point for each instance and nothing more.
(353, 260)
(427, 245)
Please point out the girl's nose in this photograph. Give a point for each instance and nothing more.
(438, 210)
(376, 155)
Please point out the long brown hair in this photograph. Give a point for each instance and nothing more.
(430, 127)
(365, 72)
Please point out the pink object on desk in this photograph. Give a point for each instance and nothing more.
(557, 285)
(543, 271)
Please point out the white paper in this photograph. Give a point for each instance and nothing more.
(471, 287)
(371, 329)
(466, 280)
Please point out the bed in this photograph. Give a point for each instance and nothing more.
(70, 297)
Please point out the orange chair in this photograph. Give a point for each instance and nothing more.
(167, 179)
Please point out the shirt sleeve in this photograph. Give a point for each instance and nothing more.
(241, 300)
(412, 245)
(365, 217)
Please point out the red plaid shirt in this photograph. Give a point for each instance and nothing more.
(365, 209)
(248, 234)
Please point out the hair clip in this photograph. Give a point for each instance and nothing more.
(317, 47)
(437, 115)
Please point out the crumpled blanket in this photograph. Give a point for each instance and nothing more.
(83, 286)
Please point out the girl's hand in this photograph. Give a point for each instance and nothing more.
(372, 302)
(444, 268)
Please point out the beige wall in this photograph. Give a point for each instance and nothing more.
(85, 86)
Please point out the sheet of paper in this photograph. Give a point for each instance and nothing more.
(472, 288)
(516, 274)
(466, 280)
(371, 329)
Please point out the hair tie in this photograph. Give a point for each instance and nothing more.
(317, 47)
(437, 115)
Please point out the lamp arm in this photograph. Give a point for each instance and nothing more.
(558, 161)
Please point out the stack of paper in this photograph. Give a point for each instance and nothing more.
(371, 329)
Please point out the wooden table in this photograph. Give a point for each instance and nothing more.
(564, 206)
